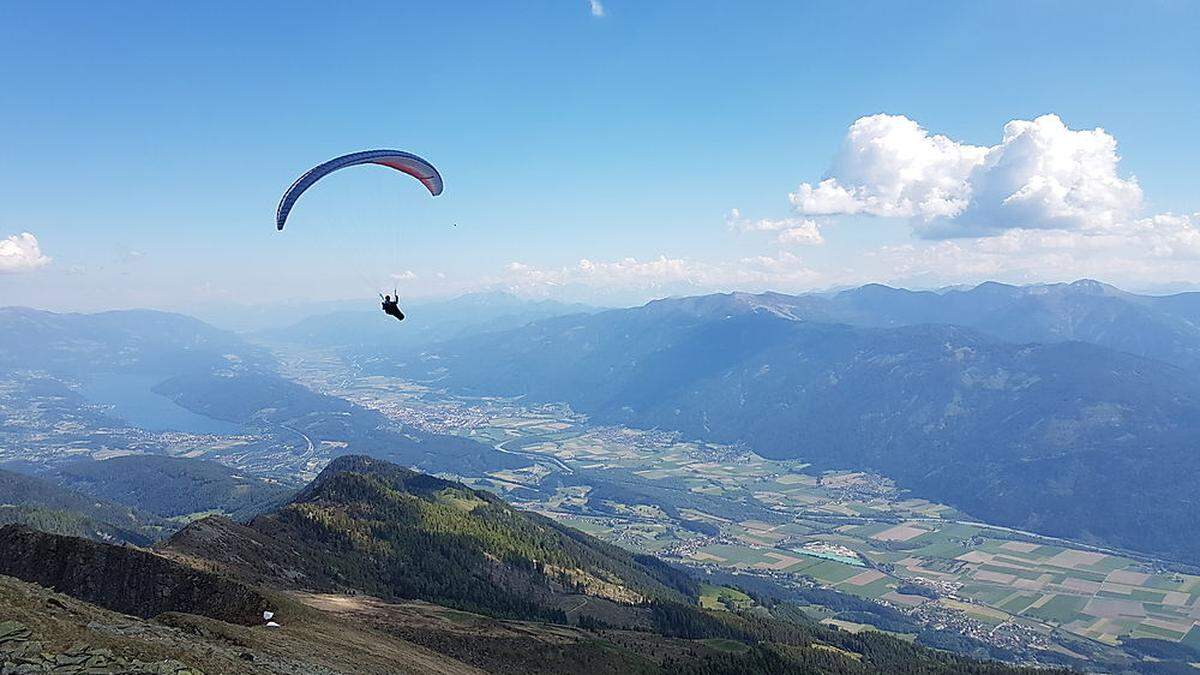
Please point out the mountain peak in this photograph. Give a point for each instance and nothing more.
(1093, 287)
(1078, 287)
(325, 487)
(375, 527)
(994, 286)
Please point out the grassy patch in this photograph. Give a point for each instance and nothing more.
(1060, 609)
(724, 645)
(1017, 603)
(724, 598)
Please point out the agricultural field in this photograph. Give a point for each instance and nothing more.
(858, 534)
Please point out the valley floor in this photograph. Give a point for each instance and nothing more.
(725, 508)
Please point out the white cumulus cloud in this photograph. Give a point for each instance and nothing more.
(792, 231)
(802, 233)
(889, 166)
(21, 253)
(1041, 175)
(596, 7)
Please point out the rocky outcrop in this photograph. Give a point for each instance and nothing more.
(124, 579)
(20, 653)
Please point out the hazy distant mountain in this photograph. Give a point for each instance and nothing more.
(424, 323)
(173, 486)
(126, 341)
(254, 317)
(1162, 327)
(1062, 437)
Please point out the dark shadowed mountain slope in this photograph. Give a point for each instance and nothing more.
(173, 486)
(1065, 438)
(45, 506)
(124, 578)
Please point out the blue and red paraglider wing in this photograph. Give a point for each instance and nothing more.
(394, 159)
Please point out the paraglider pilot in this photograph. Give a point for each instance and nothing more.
(392, 307)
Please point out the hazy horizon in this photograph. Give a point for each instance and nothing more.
(364, 304)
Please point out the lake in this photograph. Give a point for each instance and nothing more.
(132, 400)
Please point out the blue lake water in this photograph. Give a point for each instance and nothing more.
(132, 400)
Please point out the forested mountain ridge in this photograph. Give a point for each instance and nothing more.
(173, 486)
(39, 503)
(372, 526)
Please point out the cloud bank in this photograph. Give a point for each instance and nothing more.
(21, 253)
(664, 275)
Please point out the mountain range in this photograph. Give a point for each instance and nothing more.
(1071, 409)
(129, 341)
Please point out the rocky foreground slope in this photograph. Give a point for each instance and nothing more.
(44, 631)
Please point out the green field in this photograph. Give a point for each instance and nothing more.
(724, 598)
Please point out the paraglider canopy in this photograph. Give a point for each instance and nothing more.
(395, 159)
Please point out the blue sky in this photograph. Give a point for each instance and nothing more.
(143, 147)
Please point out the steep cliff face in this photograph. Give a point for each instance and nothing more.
(124, 579)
